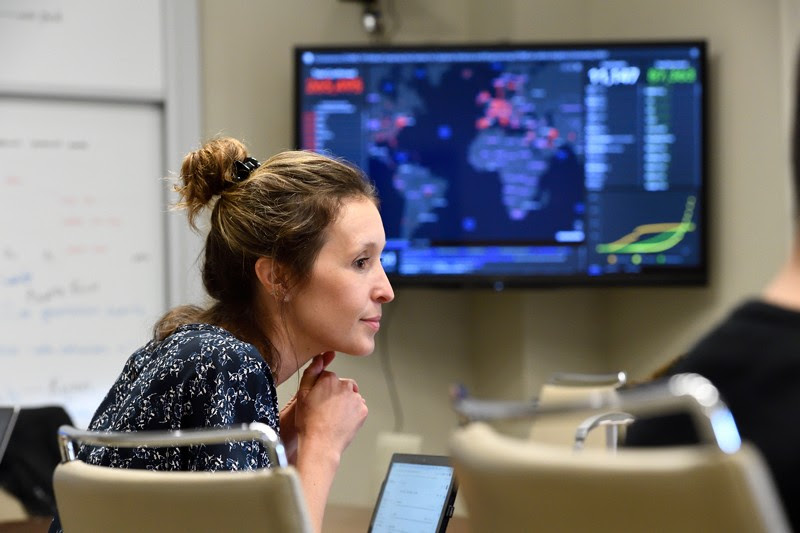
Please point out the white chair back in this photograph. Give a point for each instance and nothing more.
(100, 499)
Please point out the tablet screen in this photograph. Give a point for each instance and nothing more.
(417, 495)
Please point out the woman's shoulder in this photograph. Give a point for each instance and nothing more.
(202, 350)
(193, 368)
(207, 341)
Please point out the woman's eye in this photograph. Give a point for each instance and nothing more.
(362, 263)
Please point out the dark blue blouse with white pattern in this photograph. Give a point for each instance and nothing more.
(200, 376)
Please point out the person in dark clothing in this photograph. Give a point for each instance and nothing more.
(753, 358)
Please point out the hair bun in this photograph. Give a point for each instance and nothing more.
(206, 172)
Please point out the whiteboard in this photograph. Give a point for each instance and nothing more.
(94, 47)
(82, 258)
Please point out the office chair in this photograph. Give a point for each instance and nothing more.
(576, 429)
(511, 484)
(94, 498)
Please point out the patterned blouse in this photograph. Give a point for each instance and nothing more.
(200, 376)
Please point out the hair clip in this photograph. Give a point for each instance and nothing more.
(242, 169)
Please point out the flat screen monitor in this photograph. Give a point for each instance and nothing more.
(523, 164)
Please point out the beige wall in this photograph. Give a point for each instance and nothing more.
(505, 344)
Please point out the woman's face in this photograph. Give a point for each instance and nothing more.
(339, 309)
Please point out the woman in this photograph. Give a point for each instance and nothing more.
(292, 266)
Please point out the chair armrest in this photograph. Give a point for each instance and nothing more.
(68, 436)
(690, 393)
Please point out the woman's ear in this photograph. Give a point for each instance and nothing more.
(268, 274)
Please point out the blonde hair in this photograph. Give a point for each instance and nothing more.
(281, 211)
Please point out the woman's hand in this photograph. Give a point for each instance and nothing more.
(327, 409)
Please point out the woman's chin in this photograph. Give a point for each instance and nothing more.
(361, 350)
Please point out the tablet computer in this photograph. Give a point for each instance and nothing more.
(417, 495)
